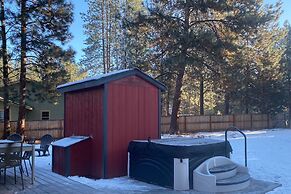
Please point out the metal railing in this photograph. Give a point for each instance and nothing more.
(245, 137)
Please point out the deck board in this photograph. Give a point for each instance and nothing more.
(45, 182)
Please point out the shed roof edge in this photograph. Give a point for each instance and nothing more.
(105, 78)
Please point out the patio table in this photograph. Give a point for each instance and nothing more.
(26, 147)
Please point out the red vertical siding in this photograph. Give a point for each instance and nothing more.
(59, 165)
(83, 116)
(80, 154)
(132, 114)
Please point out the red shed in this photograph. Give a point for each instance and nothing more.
(113, 109)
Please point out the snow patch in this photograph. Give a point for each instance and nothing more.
(119, 184)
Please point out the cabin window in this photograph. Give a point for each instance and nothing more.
(1, 115)
(45, 115)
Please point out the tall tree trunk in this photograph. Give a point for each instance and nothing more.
(6, 107)
(226, 103)
(288, 66)
(247, 99)
(289, 95)
(103, 37)
(174, 128)
(109, 26)
(23, 63)
(201, 88)
(176, 100)
(106, 33)
(168, 103)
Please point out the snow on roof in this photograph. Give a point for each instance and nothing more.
(97, 77)
(105, 78)
(68, 141)
(183, 141)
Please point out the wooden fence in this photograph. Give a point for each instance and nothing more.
(189, 124)
(36, 129)
(218, 123)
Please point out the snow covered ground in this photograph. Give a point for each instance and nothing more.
(269, 159)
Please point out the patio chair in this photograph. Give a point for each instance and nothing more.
(27, 155)
(12, 158)
(45, 142)
(14, 137)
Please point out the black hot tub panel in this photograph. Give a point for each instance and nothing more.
(153, 161)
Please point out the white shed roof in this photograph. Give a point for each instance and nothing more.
(68, 141)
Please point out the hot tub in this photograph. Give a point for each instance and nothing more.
(170, 162)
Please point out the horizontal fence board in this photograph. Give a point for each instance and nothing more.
(260, 124)
(243, 125)
(243, 117)
(196, 127)
(259, 117)
(227, 118)
(217, 126)
(198, 119)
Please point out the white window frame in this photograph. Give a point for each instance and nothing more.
(49, 117)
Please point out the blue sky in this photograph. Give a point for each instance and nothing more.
(77, 43)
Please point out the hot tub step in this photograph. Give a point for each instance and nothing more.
(223, 168)
(224, 171)
(240, 177)
(220, 174)
(239, 181)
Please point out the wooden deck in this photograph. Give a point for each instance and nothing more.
(45, 182)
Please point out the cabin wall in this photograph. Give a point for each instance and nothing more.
(132, 113)
(84, 117)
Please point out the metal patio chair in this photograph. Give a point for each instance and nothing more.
(12, 158)
(27, 155)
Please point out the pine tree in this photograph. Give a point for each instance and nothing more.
(5, 70)
(23, 64)
(255, 65)
(42, 24)
(186, 31)
(52, 68)
(286, 67)
(135, 45)
(104, 35)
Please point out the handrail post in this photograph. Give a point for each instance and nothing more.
(245, 137)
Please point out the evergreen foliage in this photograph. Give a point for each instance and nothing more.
(215, 57)
(36, 32)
